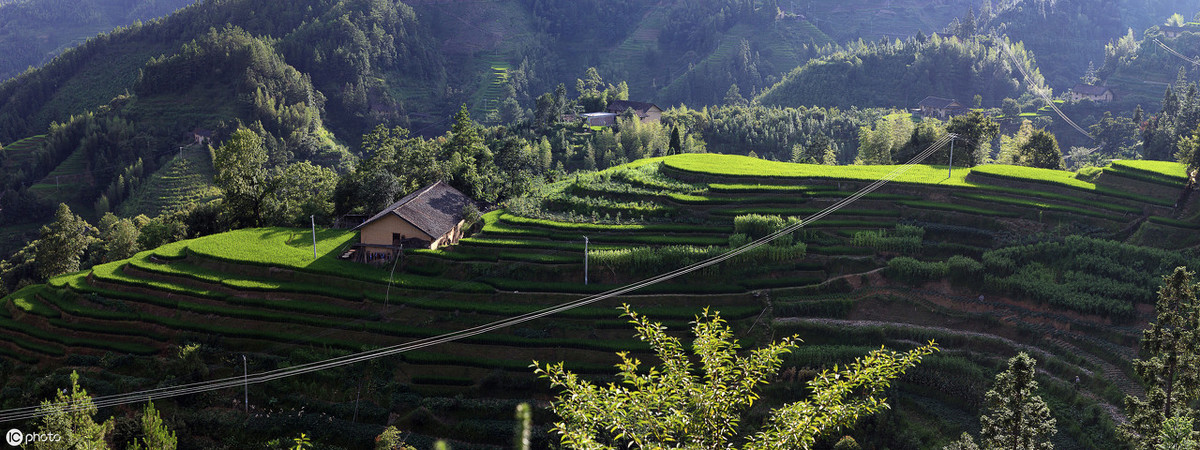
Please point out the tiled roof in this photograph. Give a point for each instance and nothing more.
(433, 209)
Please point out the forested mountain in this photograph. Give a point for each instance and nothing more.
(901, 73)
(1068, 35)
(34, 31)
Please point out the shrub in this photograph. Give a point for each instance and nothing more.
(915, 271)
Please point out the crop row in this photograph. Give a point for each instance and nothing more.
(1145, 176)
(804, 211)
(924, 204)
(71, 341)
(570, 226)
(389, 329)
(1034, 204)
(1061, 179)
(504, 229)
(1175, 222)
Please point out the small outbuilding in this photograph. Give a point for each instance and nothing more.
(431, 217)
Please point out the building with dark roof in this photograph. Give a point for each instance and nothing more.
(941, 108)
(647, 112)
(1094, 93)
(431, 217)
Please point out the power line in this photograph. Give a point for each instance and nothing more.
(1173, 52)
(32, 412)
(1040, 91)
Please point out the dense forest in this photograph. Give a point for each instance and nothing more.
(901, 73)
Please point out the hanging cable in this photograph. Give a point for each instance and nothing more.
(1040, 91)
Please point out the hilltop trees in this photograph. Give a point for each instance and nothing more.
(676, 405)
(1171, 368)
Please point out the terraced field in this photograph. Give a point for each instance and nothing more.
(67, 182)
(20, 153)
(185, 179)
(261, 293)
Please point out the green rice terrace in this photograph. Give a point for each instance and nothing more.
(990, 261)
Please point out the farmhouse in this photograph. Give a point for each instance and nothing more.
(941, 108)
(431, 217)
(1099, 94)
(647, 112)
(1171, 31)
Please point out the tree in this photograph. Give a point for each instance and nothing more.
(674, 405)
(1089, 76)
(63, 242)
(1017, 418)
(1189, 151)
(391, 439)
(302, 190)
(733, 97)
(155, 435)
(964, 442)
(241, 175)
(975, 131)
(1171, 369)
(676, 145)
(470, 161)
(118, 238)
(1010, 146)
(1041, 150)
(1177, 434)
(1010, 108)
(71, 416)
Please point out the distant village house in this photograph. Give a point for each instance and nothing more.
(941, 108)
(647, 112)
(1171, 31)
(1099, 94)
(431, 217)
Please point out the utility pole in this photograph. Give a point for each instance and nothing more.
(246, 383)
(951, 171)
(180, 152)
(585, 260)
(314, 228)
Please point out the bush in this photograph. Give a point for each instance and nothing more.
(904, 239)
(963, 269)
(915, 271)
